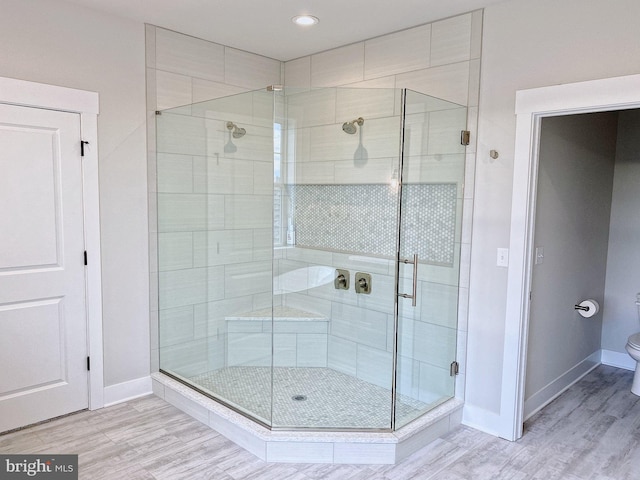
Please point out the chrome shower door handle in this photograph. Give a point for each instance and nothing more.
(414, 294)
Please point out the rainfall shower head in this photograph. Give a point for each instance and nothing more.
(238, 132)
(350, 127)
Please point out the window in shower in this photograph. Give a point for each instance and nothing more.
(279, 221)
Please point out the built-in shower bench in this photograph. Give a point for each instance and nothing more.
(299, 338)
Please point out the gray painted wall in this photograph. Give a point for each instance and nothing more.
(623, 264)
(575, 181)
(525, 45)
(62, 44)
(67, 45)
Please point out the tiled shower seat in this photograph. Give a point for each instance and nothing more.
(299, 338)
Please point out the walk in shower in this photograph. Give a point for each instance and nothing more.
(309, 253)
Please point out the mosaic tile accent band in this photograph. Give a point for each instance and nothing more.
(362, 219)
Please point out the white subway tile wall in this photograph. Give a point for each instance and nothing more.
(451, 40)
(212, 218)
(249, 70)
(338, 66)
(443, 61)
(449, 82)
(214, 214)
(172, 89)
(188, 56)
(298, 72)
(398, 52)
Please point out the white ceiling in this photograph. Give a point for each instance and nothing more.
(265, 27)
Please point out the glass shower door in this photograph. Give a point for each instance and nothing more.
(429, 254)
(334, 285)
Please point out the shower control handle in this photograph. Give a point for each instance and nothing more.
(414, 294)
(363, 283)
(341, 280)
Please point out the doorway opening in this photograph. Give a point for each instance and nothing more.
(587, 196)
(532, 108)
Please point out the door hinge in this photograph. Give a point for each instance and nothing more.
(454, 369)
(88, 363)
(85, 257)
(465, 137)
(82, 144)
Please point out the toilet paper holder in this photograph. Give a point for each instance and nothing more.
(587, 308)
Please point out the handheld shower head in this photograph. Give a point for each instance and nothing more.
(350, 127)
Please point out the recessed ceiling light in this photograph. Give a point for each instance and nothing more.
(305, 20)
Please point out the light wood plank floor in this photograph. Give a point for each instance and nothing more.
(591, 432)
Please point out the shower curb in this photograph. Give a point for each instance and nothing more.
(315, 446)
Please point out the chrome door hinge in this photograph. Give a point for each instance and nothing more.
(465, 137)
(454, 369)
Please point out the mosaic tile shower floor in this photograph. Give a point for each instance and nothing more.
(333, 399)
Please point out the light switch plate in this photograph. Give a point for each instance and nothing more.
(503, 257)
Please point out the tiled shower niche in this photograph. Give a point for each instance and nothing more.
(362, 219)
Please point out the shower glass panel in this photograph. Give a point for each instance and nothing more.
(281, 219)
(430, 231)
(215, 227)
(332, 345)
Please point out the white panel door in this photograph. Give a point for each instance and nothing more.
(43, 328)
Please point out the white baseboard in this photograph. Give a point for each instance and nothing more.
(553, 389)
(617, 359)
(481, 419)
(121, 392)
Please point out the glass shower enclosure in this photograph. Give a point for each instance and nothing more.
(309, 252)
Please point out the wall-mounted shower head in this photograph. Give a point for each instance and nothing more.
(238, 132)
(350, 127)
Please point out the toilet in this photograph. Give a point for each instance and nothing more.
(633, 348)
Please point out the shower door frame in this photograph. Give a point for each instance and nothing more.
(396, 294)
(399, 260)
